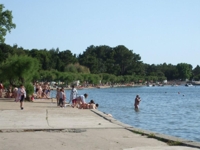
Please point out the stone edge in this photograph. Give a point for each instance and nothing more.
(149, 134)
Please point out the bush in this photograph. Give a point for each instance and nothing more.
(29, 89)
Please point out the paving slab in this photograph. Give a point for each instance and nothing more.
(43, 125)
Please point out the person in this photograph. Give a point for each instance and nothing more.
(73, 94)
(21, 95)
(62, 97)
(57, 96)
(32, 98)
(137, 102)
(90, 105)
(87, 105)
(39, 91)
(10, 92)
(80, 101)
(48, 92)
(93, 106)
(1, 89)
(91, 102)
(15, 93)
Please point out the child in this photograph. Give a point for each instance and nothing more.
(32, 98)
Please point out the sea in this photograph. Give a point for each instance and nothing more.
(170, 110)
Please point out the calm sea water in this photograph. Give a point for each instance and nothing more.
(168, 110)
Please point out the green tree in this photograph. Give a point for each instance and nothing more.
(66, 58)
(43, 56)
(76, 68)
(5, 51)
(89, 59)
(184, 70)
(104, 59)
(18, 70)
(196, 70)
(6, 23)
(123, 58)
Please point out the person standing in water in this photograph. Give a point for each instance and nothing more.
(137, 102)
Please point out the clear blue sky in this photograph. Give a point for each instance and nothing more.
(159, 30)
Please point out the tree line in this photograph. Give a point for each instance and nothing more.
(118, 62)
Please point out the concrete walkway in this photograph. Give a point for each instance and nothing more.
(43, 125)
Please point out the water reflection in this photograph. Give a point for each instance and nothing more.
(136, 109)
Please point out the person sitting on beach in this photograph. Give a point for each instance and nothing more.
(32, 97)
(48, 90)
(93, 106)
(80, 100)
(10, 92)
(39, 91)
(86, 105)
(91, 102)
(137, 102)
(90, 105)
(44, 90)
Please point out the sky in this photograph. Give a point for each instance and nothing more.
(160, 31)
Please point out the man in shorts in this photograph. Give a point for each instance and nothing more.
(21, 94)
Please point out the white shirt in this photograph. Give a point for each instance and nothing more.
(73, 94)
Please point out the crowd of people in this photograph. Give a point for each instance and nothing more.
(75, 101)
(40, 91)
(43, 91)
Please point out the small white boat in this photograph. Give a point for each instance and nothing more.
(188, 84)
(149, 85)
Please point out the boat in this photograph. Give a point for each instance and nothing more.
(149, 85)
(188, 84)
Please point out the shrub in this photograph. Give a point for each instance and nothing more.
(29, 89)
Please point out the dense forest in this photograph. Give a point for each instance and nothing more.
(108, 64)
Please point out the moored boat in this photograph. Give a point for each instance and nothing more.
(188, 84)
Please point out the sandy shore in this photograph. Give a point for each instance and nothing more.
(100, 87)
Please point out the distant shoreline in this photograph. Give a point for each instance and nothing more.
(169, 83)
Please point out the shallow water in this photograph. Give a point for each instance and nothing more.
(169, 110)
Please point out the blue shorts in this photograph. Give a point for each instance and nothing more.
(22, 98)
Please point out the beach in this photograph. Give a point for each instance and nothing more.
(43, 125)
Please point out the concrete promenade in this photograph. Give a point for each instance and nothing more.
(44, 126)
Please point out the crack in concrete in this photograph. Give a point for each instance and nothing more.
(47, 118)
(72, 130)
